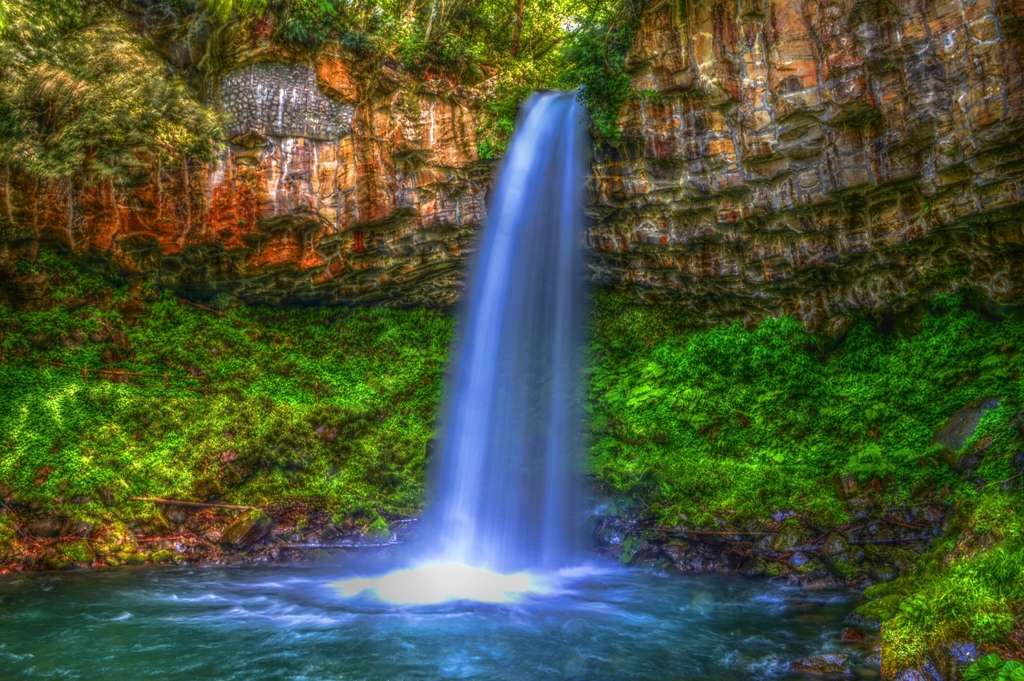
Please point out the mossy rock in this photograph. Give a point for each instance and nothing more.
(162, 556)
(378, 530)
(247, 529)
(137, 558)
(77, 551)
(789, 537)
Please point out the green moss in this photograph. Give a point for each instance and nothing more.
(720, 419)
(77, 552)
(332, 407)
(378, 530)
(710, 421)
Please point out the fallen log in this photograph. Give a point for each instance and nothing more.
(193, 504)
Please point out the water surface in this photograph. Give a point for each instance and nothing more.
(287, 622)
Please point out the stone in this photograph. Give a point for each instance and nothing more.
(837, 556)
(247, 529)
(851, 635)
(790, 536)
(782, 165)
(378, 531)
(676, 550)
(47, 527)
(960, 427)
(77, 552)
(822, 665)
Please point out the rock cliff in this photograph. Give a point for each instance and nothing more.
(817, 156)
(798, 156)
(333, 186)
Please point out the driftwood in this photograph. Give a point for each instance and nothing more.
(193, 504)
(337, 546)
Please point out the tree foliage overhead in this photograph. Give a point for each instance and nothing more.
(81, 94)
(507, 48)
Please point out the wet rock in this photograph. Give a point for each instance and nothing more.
(960, 427)
(789, 537)
(331, 533)
(77, 552)
(857, 621)
(117, 542)
(964, 652)
(822, 665)
(837, 556)
(754, 568)
(631, 546)
(883, 573)
(156, 525)
(861, 508)
(676, 550)
(247, 529)
(927, 672)
(378, 531)
(851, 635)
(47, 527)
(175, 515)
(799, 561)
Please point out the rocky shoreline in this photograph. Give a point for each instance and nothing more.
(876, 545)
(190, 533)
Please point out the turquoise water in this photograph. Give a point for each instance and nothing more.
(288, 622)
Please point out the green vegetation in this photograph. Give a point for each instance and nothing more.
(330, 407)
(993, 668)
(83, 99)
(335, 408)
(729, 422)
(766, 416)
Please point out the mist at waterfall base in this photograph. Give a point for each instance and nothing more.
(504, 505)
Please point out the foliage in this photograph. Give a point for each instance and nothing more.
(712, 420)
(969, 587)
(704, 422)
(993, 668)
(594, 59)
(330, 406)
(82, 96)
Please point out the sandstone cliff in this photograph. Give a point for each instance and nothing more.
(817, 156)
(797, 156)
(334, 186)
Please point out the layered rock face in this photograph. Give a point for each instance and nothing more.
(332, 188)
(817, 156)
(785, 156)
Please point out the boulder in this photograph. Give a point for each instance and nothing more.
(789, 537)
(247, 529)
(959, 429)
(47, 527)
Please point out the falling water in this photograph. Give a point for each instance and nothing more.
(504, 489)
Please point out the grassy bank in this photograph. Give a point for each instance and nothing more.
(330, 407)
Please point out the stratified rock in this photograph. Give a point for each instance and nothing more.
(816, 158)
(247, 529)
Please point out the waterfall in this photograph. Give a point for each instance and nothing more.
(504, 486)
